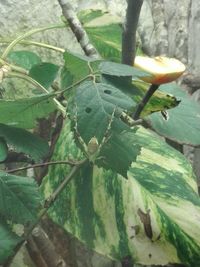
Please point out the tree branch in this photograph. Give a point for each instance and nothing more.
(47, 249)
(35, 254)
(14, 157)
(128, 54)
(129, 31)
(64, 183)
(27, 34)
(77, 29)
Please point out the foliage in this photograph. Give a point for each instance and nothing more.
(24, 141)
(25, 59)
(134, 196)
(3, 149)
(186, 131)
(25, 112)
(110, 214)
(19, 203)
(44, 73)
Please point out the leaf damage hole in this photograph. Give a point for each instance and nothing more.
(108, 92)
(88, 110)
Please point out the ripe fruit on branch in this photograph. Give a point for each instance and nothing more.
(163, 69)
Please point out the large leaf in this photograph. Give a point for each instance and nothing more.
(183, 125)
(152, 217)
(98, 108)
(44, 73)
(24, 59)
(25, 112)
(8, 241)
(19, 198)
(24, 141)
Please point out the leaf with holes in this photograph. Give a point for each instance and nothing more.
(24, 141)
(19, 198)
(158, 102)
(153, 216)
(95, 104)
(183, 124)
(25, 112)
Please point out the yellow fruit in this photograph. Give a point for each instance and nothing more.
(163, 69)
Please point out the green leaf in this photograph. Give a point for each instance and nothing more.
(24, 141)
(89, 15)
(95, 104)
(116, 69)
(158, 102)
(153, 216)
(8, 241)
(104, 32)
(116, 153)
(183, 125)
(107, 40)
(19, 198)
(44, 73)
(76, 68)
(99, 107)
(24, 59)
(3, 149)
(25, 112)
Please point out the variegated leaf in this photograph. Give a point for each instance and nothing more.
(153, 216)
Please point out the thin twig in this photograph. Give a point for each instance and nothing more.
(55, 194)
(64, 183)
(27, 34)
(67, 162)
(130, 121)
(29, 42)
(38, 85)
(74, 84)
(144, 101)
(77, 29)
(129, 31)
(129, 49)
(13, 67)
